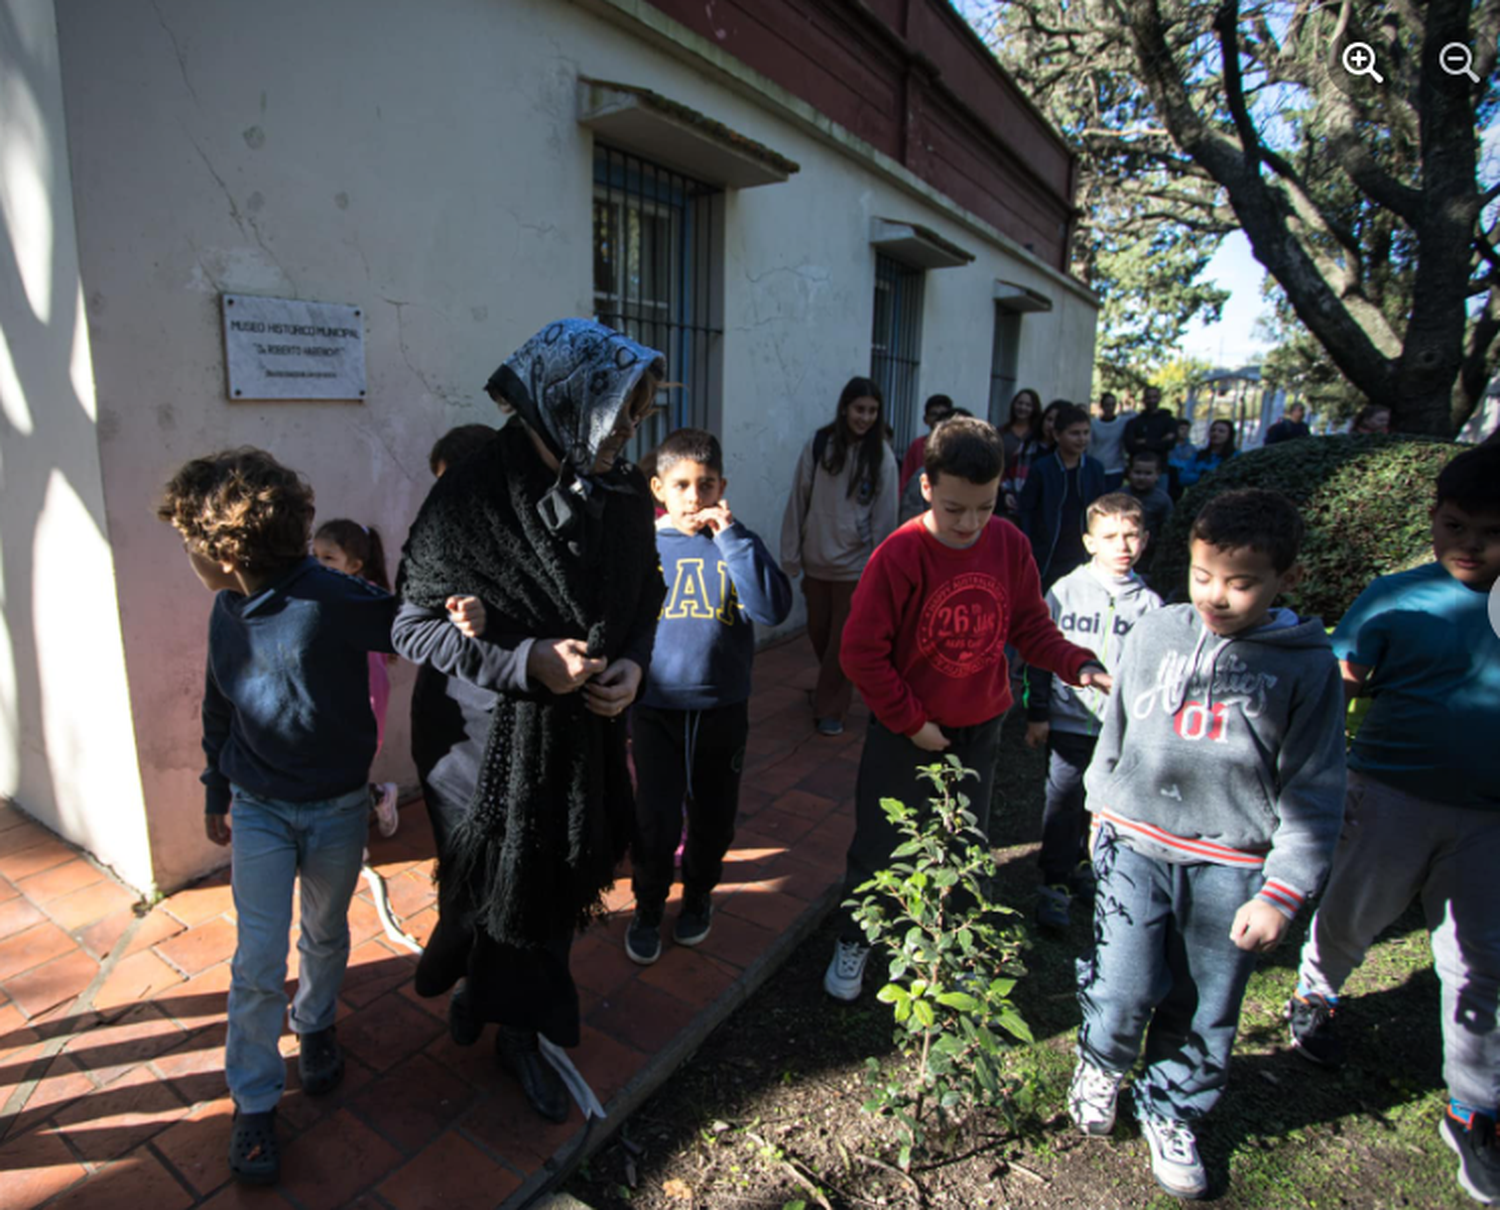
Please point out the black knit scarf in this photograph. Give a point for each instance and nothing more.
(553, 805)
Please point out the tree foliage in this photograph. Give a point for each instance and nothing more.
(1365, 201)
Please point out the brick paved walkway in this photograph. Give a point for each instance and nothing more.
(112, 1024)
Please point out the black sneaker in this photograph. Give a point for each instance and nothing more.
(320, 1062)
(1081, 881)
(463, 1026)
(643, 937)
(1052, 907)
(695, 919)
(1313, 1035)
(1473, 1141)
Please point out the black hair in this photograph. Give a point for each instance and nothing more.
(457, 444)
(1050, 410)
(1208, 441)
(1146, 456)
(689, 445)
(1471, 481)
(1256, 518)
(1034, 422)
(358, 542)
(966, 448)
(1067, 416)
(871, 446)
(939, 403)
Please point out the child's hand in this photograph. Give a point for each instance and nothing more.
(717, 519)
(1258, 926)
(562, 665)
(1096, 680)
(467, 613)
(612, 691)
(216, 828)
(1036, 734)
(930, 738)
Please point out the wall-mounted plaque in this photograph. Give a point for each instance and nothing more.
(283, 348)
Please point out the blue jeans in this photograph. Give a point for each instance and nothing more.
(1064, 821)
(1163, 968)
(272, 843)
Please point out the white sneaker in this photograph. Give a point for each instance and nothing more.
(387, 814)
(845, 977)
(1092, 1096)
(1174, 1155)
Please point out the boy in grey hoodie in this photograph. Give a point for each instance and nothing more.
(1095, 605)
(1217, 791)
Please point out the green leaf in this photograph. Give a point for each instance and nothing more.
(1011, 1022)
(892, 993)
(960, 1000)
(922, 1009)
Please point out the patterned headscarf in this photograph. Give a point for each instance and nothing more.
(570, 382)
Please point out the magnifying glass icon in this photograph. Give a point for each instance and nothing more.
(1457, 59)
(1359, 60)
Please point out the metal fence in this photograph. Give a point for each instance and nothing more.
(896, 344)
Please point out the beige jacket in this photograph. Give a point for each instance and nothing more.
(828, 534)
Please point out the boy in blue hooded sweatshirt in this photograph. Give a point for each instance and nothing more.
(1217, 791)
(689, 726)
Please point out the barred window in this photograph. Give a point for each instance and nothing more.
(896, 343)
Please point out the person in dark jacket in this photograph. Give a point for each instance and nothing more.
(1058, 492)
(545, 534)
(1155, 428)
(1289, 427)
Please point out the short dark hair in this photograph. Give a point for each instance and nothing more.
(1146, 456)
(1471, 481)
(937, 403)
(457, 444)
(689, 445)
(1253, 517)
(966, 447)
(1067, 416)
(240, 506)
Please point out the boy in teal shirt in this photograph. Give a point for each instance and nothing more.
(1423, 811)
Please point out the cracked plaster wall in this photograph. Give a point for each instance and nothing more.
(423, 162)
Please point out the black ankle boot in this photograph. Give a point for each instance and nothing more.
(520, 1054)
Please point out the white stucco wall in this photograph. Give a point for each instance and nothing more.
(424, 163)
(67, 748)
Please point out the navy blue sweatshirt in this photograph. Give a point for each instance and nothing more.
(704, 641)
(286, 699)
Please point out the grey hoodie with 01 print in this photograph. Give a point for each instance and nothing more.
(1227, 750)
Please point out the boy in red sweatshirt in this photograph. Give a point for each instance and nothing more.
(925, 645)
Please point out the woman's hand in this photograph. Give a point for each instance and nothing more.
(930, 737)
(466, 613)
(563, 665)
(610, 693)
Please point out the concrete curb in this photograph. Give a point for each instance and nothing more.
(590, 1138)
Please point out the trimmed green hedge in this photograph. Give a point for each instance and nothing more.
(1365, 501)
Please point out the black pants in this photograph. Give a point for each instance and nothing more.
(1064, 820)
(690, 758)
(888, 769)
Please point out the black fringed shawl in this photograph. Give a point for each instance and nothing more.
(552, 809)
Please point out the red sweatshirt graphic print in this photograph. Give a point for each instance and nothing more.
(928, 625)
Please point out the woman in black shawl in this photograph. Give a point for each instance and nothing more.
(520, 738)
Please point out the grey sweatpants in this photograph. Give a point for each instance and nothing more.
(1396, 848)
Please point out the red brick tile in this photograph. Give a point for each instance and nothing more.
(64, 1083)
(833, 780)
(202, 1000)
(41, 856)
(736, 941)
(103, 935)
(21, 834)
(364, 922)
(690, 976)
(643, 1017)
(111, 1048)
(808, 806)
(619, 897)
(195, 1066)
(509, 1127)
(156, 928)
(40, 943)
(301, 1111)
(60, 880)
(387, 1031)
(199, 903)
(409, 893)
(750, 845)
(599, 962)
(433, 1006)
(10, 817)
(36, 1166)
(375, 969)
(90, 904)
(782, 827)
(198, 1145)
(452, 1172)
(7, 890)
(804, 880)
(606, 1063)
(63, 1022)
(413, 1102)
(57, 982)
(200, 947)
(17, 915)
(14, 1035)
(123, 1116)
(472, 1064)
(140, 977)
(763, 903)
(335, 1160)
(235, 1196)
(420, 927)
(138, 1179)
